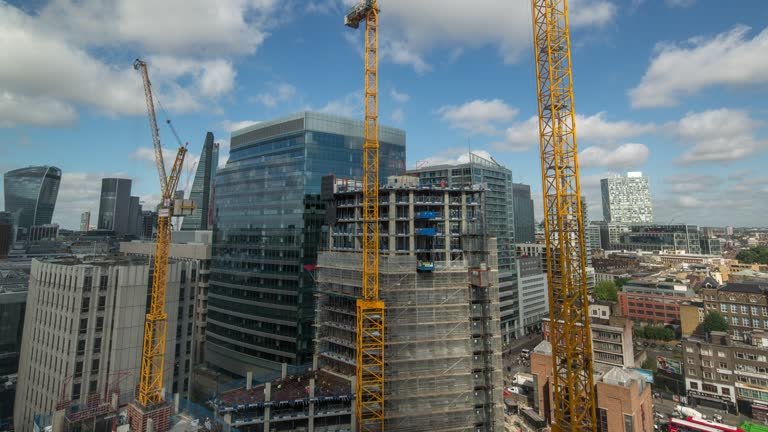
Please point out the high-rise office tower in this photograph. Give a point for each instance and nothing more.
(30, 194)
(438, 276)
(627, 199)
(498, 219)
(85, 221)
(7, 232)
(267, 232)
(525, 225)
(148, 224)
(84, 328)
(135, 218)
(202, 187)
(114, 205)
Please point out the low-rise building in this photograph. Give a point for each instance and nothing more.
(654, 302)
(611, 340)
(743, 305)
(691, 315)
(723, 373)
(623, 397)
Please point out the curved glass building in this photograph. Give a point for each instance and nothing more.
(30, 194)
(268, 220)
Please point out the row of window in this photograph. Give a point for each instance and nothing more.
(709, 388)
(743, 309)
(745, 322)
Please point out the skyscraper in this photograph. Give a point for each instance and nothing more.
(525, 225)
(30, 194)
(498, 217)
(202, 187)
(115, 204)
(85, 220)
(135, 218)
(627, 199)
(268, 219)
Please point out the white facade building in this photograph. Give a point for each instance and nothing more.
(627, 199)
(84, 330)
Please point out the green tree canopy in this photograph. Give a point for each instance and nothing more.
(606, 290)
(714, 321)
(621, 281)
(754, 255)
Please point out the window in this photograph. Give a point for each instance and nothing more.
(725, 391)
(102, 303)
(706, 363)
(603, 419)
(92, 387)
(745, 321)
(765, 310)
(97, 345)
(765, 324)
(756, 323)
(76, 391)
(721, 354)
(723, 307)
(724, 377)
(689, 360)
(628, 424)
(708, 388)
(753, 309)
(735, 321)
(707, 375)
(95, 365)
(99, 323)
(689, 349)
(694, 385)
(692, 372)
(744, 309)
(734, 308)
(723, 365)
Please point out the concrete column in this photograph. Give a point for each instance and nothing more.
(311, 425)
(447, 224)
(176, 402)
(248, 380)
(150, 425)
(314, 361)
(411, 225)
(227, 422)
(284, 372)
(391, 223)
(267, 398)
(58, 421)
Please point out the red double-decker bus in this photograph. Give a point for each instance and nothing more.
(691, 424)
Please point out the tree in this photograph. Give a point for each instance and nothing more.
(754, 255)
(606, 290)
(714, 321)
(620, 282)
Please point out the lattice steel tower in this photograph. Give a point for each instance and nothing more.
(369, 391)
(572, 382)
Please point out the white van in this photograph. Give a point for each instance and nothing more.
(525, 353)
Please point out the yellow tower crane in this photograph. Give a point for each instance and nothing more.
(572, 383)
(369, 383)
(153, 353)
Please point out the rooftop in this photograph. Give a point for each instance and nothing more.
(291, 388)
(750, 288)
(97, 260)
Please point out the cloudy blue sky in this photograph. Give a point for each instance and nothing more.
(674, 88)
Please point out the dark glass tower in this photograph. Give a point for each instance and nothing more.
(267, 231)
(525, 226)
(115, 205)
(202, 187)
(30, 195)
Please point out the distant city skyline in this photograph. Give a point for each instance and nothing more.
(701, 141)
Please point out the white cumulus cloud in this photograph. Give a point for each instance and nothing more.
(719, 135)
(478, 116)
(628, 155)
(731, 58)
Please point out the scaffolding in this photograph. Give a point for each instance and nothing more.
(443, 354)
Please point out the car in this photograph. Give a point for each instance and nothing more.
(679, 346)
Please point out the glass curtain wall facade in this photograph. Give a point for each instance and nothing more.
(627, 199)
(525, 226)
(30, 195)
(267, 232)
(202, 187)
(114, 205)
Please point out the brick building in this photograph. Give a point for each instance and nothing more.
(652, 302)
(744, 306)
(623, 397)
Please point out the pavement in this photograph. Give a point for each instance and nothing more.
(511, 355)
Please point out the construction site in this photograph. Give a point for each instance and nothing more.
(439, 280)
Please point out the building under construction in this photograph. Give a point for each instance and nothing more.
(439, 280)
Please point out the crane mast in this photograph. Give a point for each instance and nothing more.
(572, 382)
(369, 382)
(156, 320)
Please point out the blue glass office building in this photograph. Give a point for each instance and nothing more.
(30, 195)
(268, 219)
